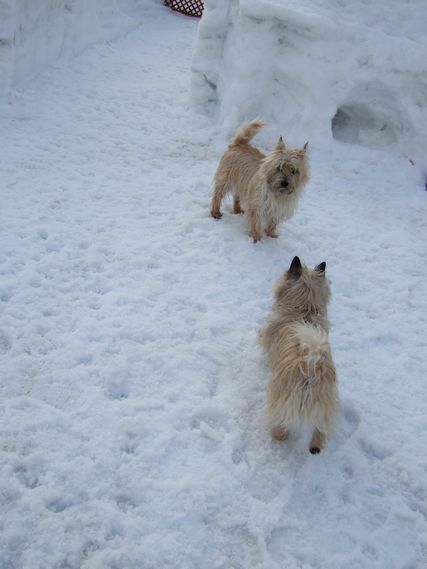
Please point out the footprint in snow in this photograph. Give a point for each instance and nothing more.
(350, 421)
(59, 504)
(29, 475)
(117, 391)
(5, 342)
(129, 443)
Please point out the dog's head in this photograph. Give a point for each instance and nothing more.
(286, 169)
(304, 289)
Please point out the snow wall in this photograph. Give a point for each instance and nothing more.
(35, 33)
(348, 70)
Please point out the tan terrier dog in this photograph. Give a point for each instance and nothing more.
(268, 187)
(303, 388)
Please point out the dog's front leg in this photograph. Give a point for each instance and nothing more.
(254, 225)
(271, 230)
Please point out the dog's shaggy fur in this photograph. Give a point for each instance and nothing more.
(267, 187)
(303, 387)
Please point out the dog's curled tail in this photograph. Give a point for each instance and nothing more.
(246, 132)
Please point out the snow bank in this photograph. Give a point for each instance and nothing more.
(349, 70)
(34, 34)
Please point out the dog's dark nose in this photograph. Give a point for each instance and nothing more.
(284, 183)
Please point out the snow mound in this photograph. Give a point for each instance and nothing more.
(34, 34)
(353, 71)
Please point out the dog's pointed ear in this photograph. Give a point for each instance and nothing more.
(280, 144)
(295, 268)
(302, 151)
(321, 269)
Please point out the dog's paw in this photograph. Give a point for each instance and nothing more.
(273, 235)
(279, 433)
(216, 214)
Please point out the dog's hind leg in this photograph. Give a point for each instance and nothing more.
(236, 204)
(317, 442)
(280, 433)
(221, 188)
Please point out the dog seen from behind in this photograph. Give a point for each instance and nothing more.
(303, 386)
(267, 187)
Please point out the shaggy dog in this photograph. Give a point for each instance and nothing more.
(303, 386)
(268, 187)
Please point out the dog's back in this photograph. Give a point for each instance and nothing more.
(303, 384)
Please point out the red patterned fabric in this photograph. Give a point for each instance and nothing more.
(187, 7)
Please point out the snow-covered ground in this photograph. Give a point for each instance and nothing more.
(132, 384)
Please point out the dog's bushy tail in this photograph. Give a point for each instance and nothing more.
(303, 388)
(246, 132)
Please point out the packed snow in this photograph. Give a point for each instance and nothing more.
(132, 383)
(34, 34)
(348, 69)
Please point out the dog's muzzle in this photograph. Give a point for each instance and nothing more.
(284, 186)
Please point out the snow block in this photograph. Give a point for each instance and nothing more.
(350, 71)
(35, 34)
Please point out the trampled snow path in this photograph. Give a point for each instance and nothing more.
(131, 384)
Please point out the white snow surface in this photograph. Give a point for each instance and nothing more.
(35, 33)
(132, 384)
(348, 69)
